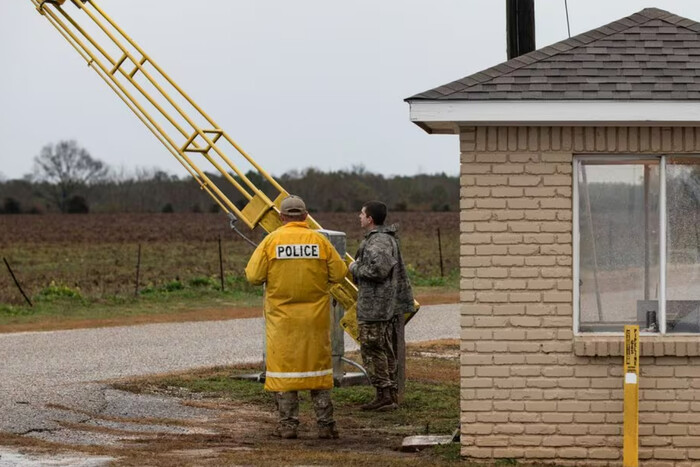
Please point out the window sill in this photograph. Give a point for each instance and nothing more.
(650, 346)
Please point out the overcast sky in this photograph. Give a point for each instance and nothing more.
(304, 83)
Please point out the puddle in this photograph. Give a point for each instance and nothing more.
(14, 458)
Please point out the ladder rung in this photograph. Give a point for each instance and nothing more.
(199, 150)
(186, 147)
(189, 141)
(137, 68)
(216, 132)
(119, 63)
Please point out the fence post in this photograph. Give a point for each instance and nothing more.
(17, 282)
(221, 265)
(442, 272)
(138, 271)
(400, 343)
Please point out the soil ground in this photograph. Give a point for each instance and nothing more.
(238, 426)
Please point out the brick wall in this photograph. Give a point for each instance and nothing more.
(531, 390)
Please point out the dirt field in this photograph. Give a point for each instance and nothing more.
(96, 255)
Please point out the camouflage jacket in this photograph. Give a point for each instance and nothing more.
(380, 275)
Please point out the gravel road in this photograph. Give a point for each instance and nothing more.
(46, 376)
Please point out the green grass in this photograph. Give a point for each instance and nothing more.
(62, 303)
(55, 291)
(428, 408)
(219, 384)
(448, 452)
(419, 279)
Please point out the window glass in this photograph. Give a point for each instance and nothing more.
(619, 245)
(682, 244)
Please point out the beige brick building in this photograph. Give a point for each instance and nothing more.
(580, 200)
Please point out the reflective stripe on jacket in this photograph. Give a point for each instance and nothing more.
(297, 264)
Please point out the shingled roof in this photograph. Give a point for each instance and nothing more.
(650, 55)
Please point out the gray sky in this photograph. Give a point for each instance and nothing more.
(304, 83)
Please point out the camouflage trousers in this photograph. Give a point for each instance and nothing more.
(288, 406)
(377, 350)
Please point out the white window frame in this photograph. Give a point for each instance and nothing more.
(662, 238)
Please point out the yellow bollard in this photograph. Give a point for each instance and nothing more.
(630, 446)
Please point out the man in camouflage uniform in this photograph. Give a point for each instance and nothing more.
(384, 295)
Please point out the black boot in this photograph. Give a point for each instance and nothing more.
(395, 396)
(387, 403)
(383, 402)
(328, 432)
(375, 403)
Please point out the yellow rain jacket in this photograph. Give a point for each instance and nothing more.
(298, 264)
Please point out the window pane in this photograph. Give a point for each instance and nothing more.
(682, 244)
(619, 244)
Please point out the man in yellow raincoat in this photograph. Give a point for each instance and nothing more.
(298, 265)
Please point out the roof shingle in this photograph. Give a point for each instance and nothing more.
(652, 54)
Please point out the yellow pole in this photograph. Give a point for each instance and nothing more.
(262, 172)
(631, 411)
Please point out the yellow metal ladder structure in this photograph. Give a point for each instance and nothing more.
(178, 123)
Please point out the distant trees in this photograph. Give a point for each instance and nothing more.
(72, 181)
(77, 205)
(19, 196)
(11, 206)
(346, 190)
(64, 168)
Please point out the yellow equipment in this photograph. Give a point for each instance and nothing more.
(179, 123)
(630, 441)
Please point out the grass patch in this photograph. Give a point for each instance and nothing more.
(58, 305)
(428, 408)
(57, 292)
(210, 383)
(12, 310)
(448, 452)
(207, 282)
(422, 279)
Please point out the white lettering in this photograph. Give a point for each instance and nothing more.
(297, 251)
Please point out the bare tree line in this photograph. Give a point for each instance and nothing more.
(67, 179)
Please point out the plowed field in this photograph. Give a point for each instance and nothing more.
(97, 253)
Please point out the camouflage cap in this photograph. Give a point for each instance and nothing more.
(292, 206)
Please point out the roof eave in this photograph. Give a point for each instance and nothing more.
(446, 117)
